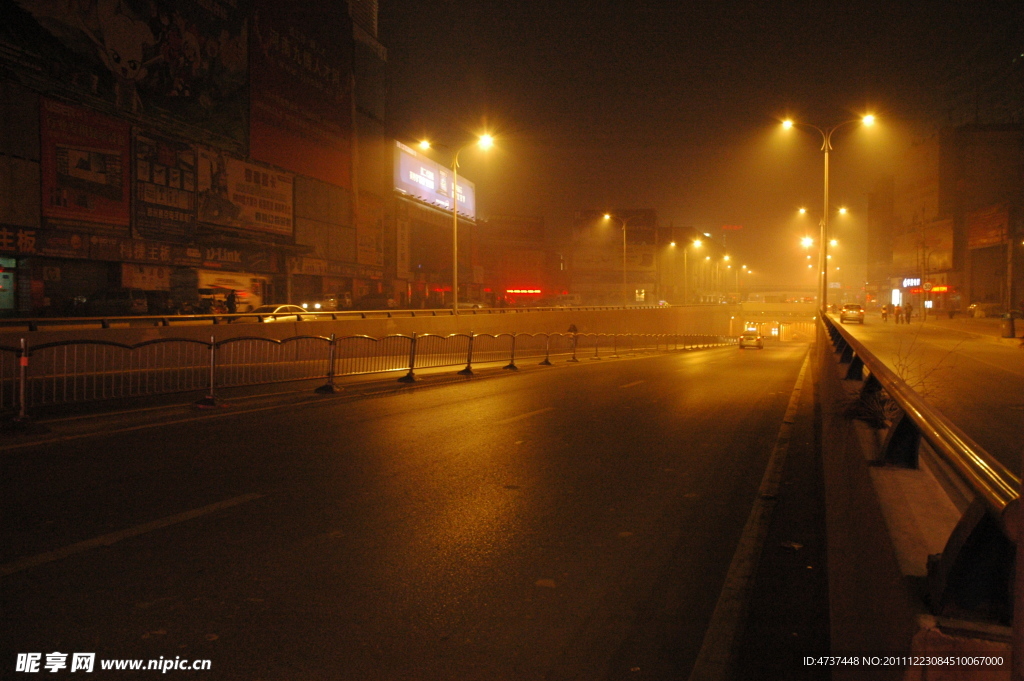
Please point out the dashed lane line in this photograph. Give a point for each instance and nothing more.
(114, 537)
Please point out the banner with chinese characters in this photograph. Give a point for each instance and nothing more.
(301, 96)
(85, 160)
(164, 187)
(43, 242)
(233, 193)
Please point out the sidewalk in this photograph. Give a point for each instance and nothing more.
(991, 327)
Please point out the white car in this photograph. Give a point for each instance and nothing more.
(751, 340)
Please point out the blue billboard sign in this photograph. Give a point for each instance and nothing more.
(424, 179)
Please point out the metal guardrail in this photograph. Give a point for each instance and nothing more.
(106, 322)
(975, 571)
(85, 370)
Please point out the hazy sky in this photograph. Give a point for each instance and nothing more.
(675, 105)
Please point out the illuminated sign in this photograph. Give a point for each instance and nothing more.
(941, 288)
(910, 281)
(522, 290)
(423, 178)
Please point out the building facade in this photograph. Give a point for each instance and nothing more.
(186, 149)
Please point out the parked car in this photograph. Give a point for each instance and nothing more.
(751, 340)
(118, 302)
(375, 301)
(851, 312)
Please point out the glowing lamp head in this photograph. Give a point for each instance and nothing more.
(425, 145)
(698, 243)
(868, 120)
(787, 124)
(807, 242)
(486, 142)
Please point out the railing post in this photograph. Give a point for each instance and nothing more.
(547, 350)
(597, 345)
(615, 345)
(512, 364)
(468, 371)
(329, 388)
(211, 399)
(411, 376)
(22, 383)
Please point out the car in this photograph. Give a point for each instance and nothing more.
(851, 312)
(117, 302)
(375, 301)
(281, 313)
(751, 340)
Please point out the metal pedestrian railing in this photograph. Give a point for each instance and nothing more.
(976, 568)
(87, 370)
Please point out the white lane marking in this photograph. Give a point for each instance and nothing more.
(630, 385)
(715, 657)
(114, 537)
(524, 416)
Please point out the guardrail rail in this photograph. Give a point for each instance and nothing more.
(974, 574)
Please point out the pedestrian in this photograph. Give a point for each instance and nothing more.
(885, 312)
(231, 302)
(898, 314)
(907, 310)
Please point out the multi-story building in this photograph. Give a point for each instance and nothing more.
(955, 215)
(188, 148)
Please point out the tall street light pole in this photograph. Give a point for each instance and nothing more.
(826, 147)
(484, 142)
(624, 221)
(696, 243)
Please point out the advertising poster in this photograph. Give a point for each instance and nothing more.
(301, 102)
(182, 59)
(233, 193)
(988, 226)
(423, 178)
(164, 187)
(85, 162)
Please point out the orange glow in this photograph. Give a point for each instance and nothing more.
(523, 290)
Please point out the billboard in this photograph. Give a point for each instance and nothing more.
(423, 178)
(989, 226)
(301, 101)
(233, 193)
(186, 60)
(928, 249)
(84, 164)
(164, 188)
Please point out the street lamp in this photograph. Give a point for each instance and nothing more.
(826, 147)
(624, 221)
(696, 243)
(484, 142)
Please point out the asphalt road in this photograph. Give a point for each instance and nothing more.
(573, 522)
(976, 381)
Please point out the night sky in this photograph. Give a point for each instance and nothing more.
(676, 106)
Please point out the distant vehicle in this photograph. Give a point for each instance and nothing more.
(751, 340)
(117, 302)
(329, 303)
(375, 301)
(469, 305)
(851, 312)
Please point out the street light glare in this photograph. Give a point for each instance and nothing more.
(424, 145)
(833, 242)
(607, 216)
(807, 242)
(868, 120)
(787, 124)
(802, 211)
(486, 141)
(697, 243)
(842, 211)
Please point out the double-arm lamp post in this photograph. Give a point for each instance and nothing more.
(484, 142)
(826, 147)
